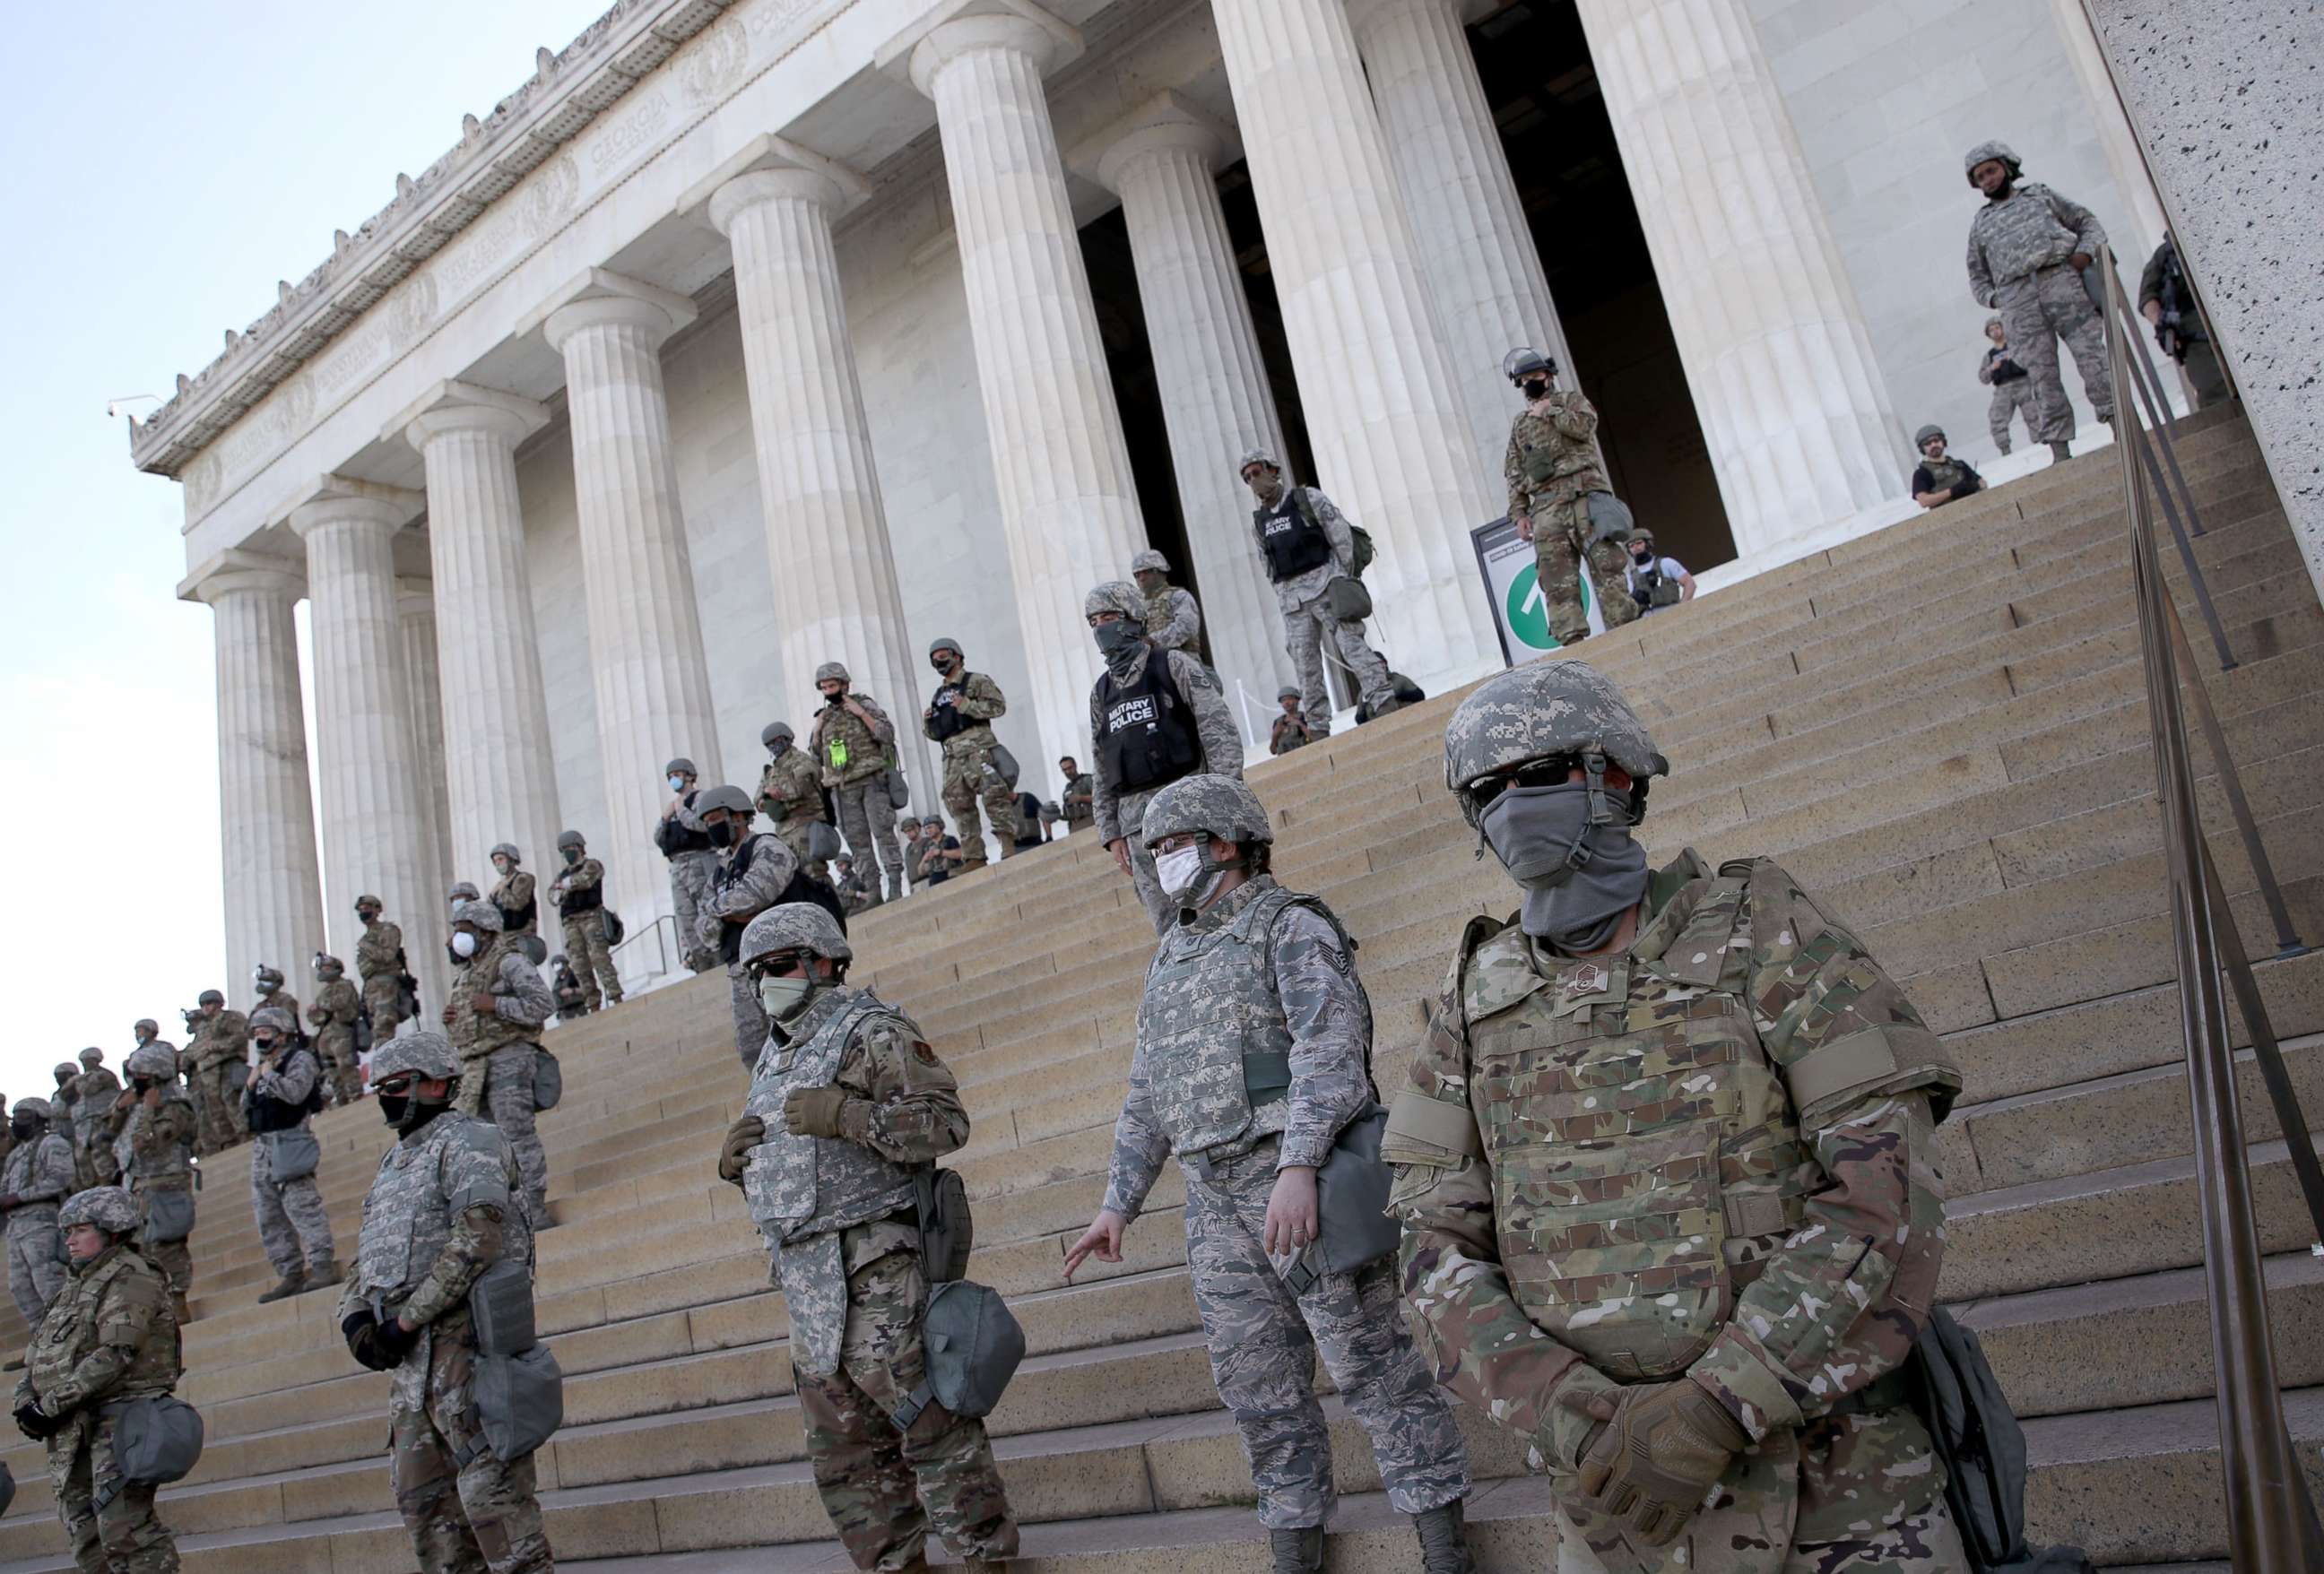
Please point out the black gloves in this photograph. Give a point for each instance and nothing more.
(34, 1424)
(378, 1346)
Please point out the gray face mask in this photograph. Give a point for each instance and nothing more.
(1536, 833)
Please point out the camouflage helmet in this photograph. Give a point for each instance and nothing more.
(32, 1109)
(732, 799)
(1149, 561)
(1524, 361)
(830, 670)
(947, 642)
(1640, 533)
(507, 850)
(209, 998)
(368, 900)
(266, 972)
(65, 1071)
(1221, 806)
(1289, 692)
(1115, 595)
(681, 766)
(1994, 322)
(154, 1060)
(477, 911)
(1251, 456)
(464, 891)
(146, 1022)
(909, 823)
(1993, 150)
(1543, 708)
(533, 948)
(109, 1208)
(328, 966)
(1921, 438)
(796, 926)
(571, 840)
(273, 1017)
(774, 730)
(92, 1056)
(425, 1054)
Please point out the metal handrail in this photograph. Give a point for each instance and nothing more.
(2271, 1522)
(661, 947)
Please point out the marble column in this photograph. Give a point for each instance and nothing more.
(651, 680)
(376, 830)
(1383, 405)
(1474, 245)
(415, 607)
(1793, 408)
(1068, 505)
(266, 818)
(499, 773)
(1163, 157)
(828, 551)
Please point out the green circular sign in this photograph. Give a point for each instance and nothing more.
(1528, 610)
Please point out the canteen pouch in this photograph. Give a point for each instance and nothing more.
(156, 1440)
(238, 1077)
(1003, 764)
(1353, 1228)
(519, 1402)
(1666, 593)
(947, 1233)
(500, 1304)
(1349, 602)
(899, 791)
(610, 926)
(291, 1156)
(1610, 517)
(547, 1079)
(822, 842)
(168, 1215)
(974, 1344)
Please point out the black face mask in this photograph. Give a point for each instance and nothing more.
(722, 834)
(942, 663)
(138, 1085)
(21, 1130)
(1640, 553)
(267, 1045)
(1536, 390)
(572, 855)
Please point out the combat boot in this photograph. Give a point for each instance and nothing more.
(292, 1282)
(1444, 1541)
(2060, 451)
(1299, 1551)
(325, 1271)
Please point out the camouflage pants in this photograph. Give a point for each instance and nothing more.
(965, 786)
(884, 1488)
(2205, 378)
(1131, 807)
(2013, 397)
(335, 1047)
(690, 877)
(868, 822)
(1307, 630)
(508, 1104)
(219, 1112)
(750, 1016)
(98, 1166)
(463, 1519)
(381, 997)
(2038, 311)
(291, 1224)
(591, 959)
(125, 1536)
(1559, 529)
(795, 833)
(36, 1261)
(1263, 1342)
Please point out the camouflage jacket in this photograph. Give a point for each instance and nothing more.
(161, 1142)
(1289, 733)
(225, 1037)
(1748, 1072)
(1552, 455)
(978, 698)
(2029, 229)
(1079, 801)
(1173, 620)
(510, 894)
(1291, 594)
(1263, 972)
(335, 1008)
(41, 1174)
(736, 899)
(109, 1335)
(94, 1091)
(521, 1004)
(790, 789)
(847, 751)
(378, 951)
(585, 874)
(1214, 724)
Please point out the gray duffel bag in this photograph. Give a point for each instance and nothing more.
(168, 1215)
(547, 1080)
(974, 1344)
(822, 842)
(1611, 518)
(293, 1154)
(1348, 599)
(155, 1440)
(519, 1401)
(1354, 1228)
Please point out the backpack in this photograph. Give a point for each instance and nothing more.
(1363, 552)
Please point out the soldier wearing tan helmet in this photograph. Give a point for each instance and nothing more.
(1290, 730)
(685, 844)
(854, 747)
(1174, 618)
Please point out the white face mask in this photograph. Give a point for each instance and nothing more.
(464, 944)
(782, 998)
(1181, 873)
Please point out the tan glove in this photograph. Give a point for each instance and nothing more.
(734, 1156)
(1571, 1427)
(814, 1112)
(1664, 1446)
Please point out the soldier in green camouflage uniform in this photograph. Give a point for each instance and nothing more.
(110, 1337)
(157, 1151)
(1551, 468)
(224, 1043)
(790, 794)
(336, 1013)
(854, 743)
(499, 1002)
(579, 893)
(2027, 248)
(847, 1103)
(959, 719)
(1078, 797)
(515, 892)
(446, 1205)
(1666, 1176)
(1174, 618)
(94, 1092)
(380, 962)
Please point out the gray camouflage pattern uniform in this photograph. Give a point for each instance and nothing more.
(2018, 249)
(1123, 813)
(41, 1174)
(1261, 970)
(499, 1053)
(736, 900)
(690, 875)
(292, 1224)
(1308, 625)
(441, 1209)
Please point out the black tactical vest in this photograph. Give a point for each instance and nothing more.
(803, 887)
(1291, 537)
(1147, 738)
(949, 722)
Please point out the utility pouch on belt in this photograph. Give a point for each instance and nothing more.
(238, 1077)
(155, 1440)
(946, 1231)
(1610, 517)
(974, 1344)
(168, 1215)
(1666, 593)
(519, 1401)
(291, 1156)
(1003, 764)
(547, 1079)
(1977, 1433)
(1349, 602)
(610, 924)
(822, 842)
(900, 790)
(1354, 1228)
(501, 1303)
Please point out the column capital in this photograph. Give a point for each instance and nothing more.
(414, 597)
(959, 27)
(237, 570)
(600, 295)
(1467, 12)
(770, 169)
(333, 499)
(454, 406)
(1168, 120)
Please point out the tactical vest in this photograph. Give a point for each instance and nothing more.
(1211, 1028)
(676, 838)
(845, 747)
(518, 919)
(270, 1114)
(1147, 739)
(25, 1161)
(476, 1034)
(2001, 368)
(587, 900)
(69, 1333)
(799, 1186)
(948, 722)
(407, 1218)
(1945, 474)
(1291, 536)
(175, 1165)
(1644, 1155)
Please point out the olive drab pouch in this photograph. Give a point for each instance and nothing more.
(291, 1156)
(1611, 518)
(974, 1345)
(947, 1232)
(1666, 592)
(900, 790)
(500, 1303)
(1349, 602)
(547, 1080)
(168, 1215)
(822, 842)
(613, 928)
(1353, 1226)
(519, 1401)
(1003, 764)
(155, 1440)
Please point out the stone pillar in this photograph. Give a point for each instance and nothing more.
(1793, 405)
(1475, 249)
(1068, 505)
(1163, 157)
(376, 831)
(499, 773)
(651, 680)
(1383, 406)
(415, 606)
(828, 552)
(266, 819)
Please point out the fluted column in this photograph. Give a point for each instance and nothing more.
(415, 607)
(1068, 505)
(651, 680)
(1793, 405)
(1475, 248)
(498, 774)
(375, 833)
(1163, 157)
(828, 552)
(266, 820)
(1383, 406)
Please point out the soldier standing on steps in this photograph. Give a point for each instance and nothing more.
(379, 961)
(1940, 479)
(692, 860)
(40, 1175)
(335, 1013)
(1551, 467)
(756, 872)
(224, 1044)
(446, 1205)
(959, 721)
(790, 794)
(579, 893)
(848, 1103)
(1254, 1053)
(498, 1001)
(1306, 544)
(94, 1092)
(157, 1140)
(1174, 618)
(1689, 1294)
(513, 893)
(1290, 729)
(292, 1226)
(855, 744)
(2012, 390)
(2027, 248)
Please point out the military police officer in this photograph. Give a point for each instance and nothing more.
(686, 845)
(380, 962)
(579, 892)
(1308, 544)
(446, 1205)
(157, 1145)
(756, 872)
(1665, 1173)
(1551, 467)
(40, 1174)
(959, 720)
(498, 1001)
(848, 1104)
(335, 1014)
(2027, 248)
(284, 1092)
(1174, 618)
(854, 744)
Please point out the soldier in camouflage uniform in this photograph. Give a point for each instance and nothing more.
(224, 1044)
(959, 720)
(1155, 716)
(446, 1205)
(2012, 390)
(579, 893)
(292, 1226)
(498, 1001)
(848, 886)
(94, 1090)
(848, 1102)
(1665, 1173)
(40, 1174)
(1174, 618)
(790, 794)
(1290, 729)
(336, 1013)
(110, 1337)
(1306, 544)
(1253, 1053)
(1078, 798)
(1551, 468)
(1939, 478)
(854, 743)
(2027, 248)
(514, 892)
(380, 962)
(269, 986)
(157, 1150)
(756, 872)
(693, 861)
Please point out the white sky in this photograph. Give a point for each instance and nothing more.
(165, 165)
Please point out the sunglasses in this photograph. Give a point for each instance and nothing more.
(779, 966)
(1550, 770)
